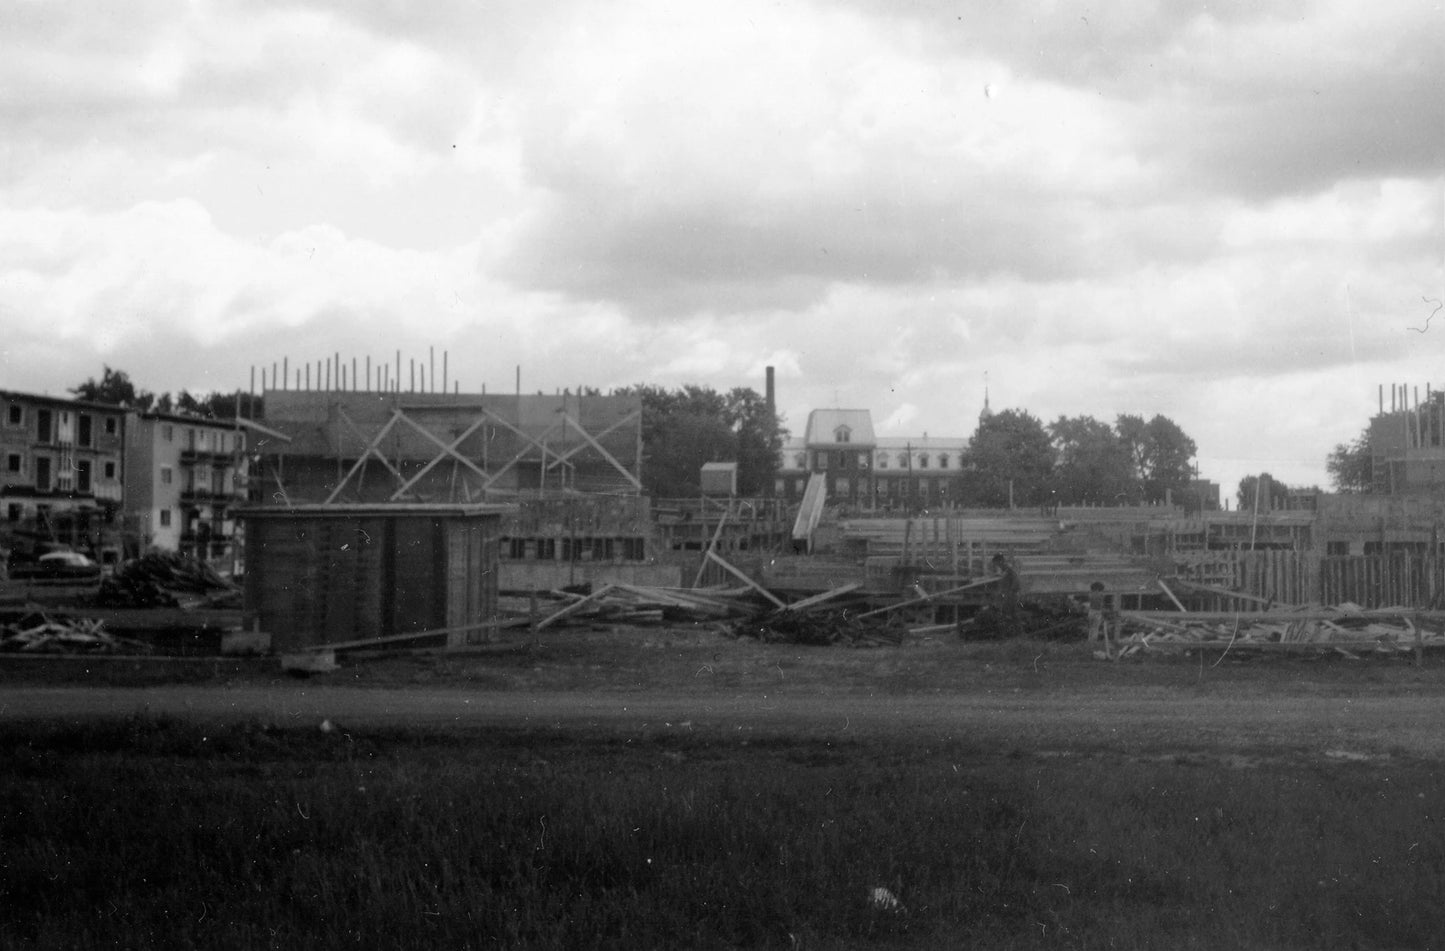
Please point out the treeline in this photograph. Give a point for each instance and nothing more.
(1015, 458)
(115, 387)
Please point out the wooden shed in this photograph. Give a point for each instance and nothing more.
(324, 574)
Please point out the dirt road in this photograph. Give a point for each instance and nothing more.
(1145, 720)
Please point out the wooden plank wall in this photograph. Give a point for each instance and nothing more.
(327, 580)
(1397, 579)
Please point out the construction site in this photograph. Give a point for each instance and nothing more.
(382, 517)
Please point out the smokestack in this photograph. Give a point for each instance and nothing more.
(769, 392)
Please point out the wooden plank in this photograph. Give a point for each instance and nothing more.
(1165, 588)
(411, 636)
(825, 596)
(573, 608)
(745, 579)
(928, 597)
(711, 546)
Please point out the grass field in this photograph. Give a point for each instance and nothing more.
(157, 831)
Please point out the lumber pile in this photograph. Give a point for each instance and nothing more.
(640, 604)
(1346, 629)
(165, 580)
(39, 633)
(824, 627)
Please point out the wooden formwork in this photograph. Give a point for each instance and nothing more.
(1399, 578)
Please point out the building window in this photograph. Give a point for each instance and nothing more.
(14, 463)
(110, 426)
(864, 460)
(166, 475)
(168, 432)
(86, 426)
(165, 518)
(842, 434)
(15, 511)
(800, 461)
(923, 460)
(110, 470)
(240, 441)
(943, 460)
(17, 415)
(883, 460)
(903, 460)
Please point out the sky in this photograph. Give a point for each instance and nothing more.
(1231, 213)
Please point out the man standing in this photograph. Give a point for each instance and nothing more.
(1007, 596)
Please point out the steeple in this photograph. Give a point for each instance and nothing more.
(985, 413)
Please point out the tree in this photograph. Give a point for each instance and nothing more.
(684, 428)
(759, 440)
(115, 387)
(1350, 465)
(1092, 464)
(1011, 459)
(1161, 454)
(1275, 497)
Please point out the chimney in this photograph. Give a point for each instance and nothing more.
(769, 393)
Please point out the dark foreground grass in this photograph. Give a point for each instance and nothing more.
(160, 834)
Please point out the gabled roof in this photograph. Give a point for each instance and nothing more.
(823, 425)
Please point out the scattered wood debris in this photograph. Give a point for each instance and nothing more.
(166, 580)
(39, 633)
(823, 627)
(1345, 629)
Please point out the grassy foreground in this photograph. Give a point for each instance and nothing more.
(154, 833)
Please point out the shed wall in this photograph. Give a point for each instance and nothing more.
(316, 579)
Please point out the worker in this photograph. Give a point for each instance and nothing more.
(1006, 596)
(1096, 611)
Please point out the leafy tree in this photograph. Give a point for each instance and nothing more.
(1275, 497)
(1160, 452)
(1350, 465)
(684, 428)
(115, 387)
(1092, 463)
(1010, 450)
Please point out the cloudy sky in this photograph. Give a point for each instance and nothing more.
(1229, 213)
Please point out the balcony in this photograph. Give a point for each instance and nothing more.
(201, 457)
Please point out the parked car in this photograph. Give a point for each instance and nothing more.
(57, 566)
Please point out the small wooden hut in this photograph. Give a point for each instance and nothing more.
(325, 574)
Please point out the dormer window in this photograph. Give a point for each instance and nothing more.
(842, 434)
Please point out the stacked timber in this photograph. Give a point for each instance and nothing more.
(1346, 629)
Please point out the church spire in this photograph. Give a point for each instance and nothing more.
(985, 413)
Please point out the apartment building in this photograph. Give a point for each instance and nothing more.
(61, 472)
(185, 476)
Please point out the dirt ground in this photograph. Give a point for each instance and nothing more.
(1036, 698)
